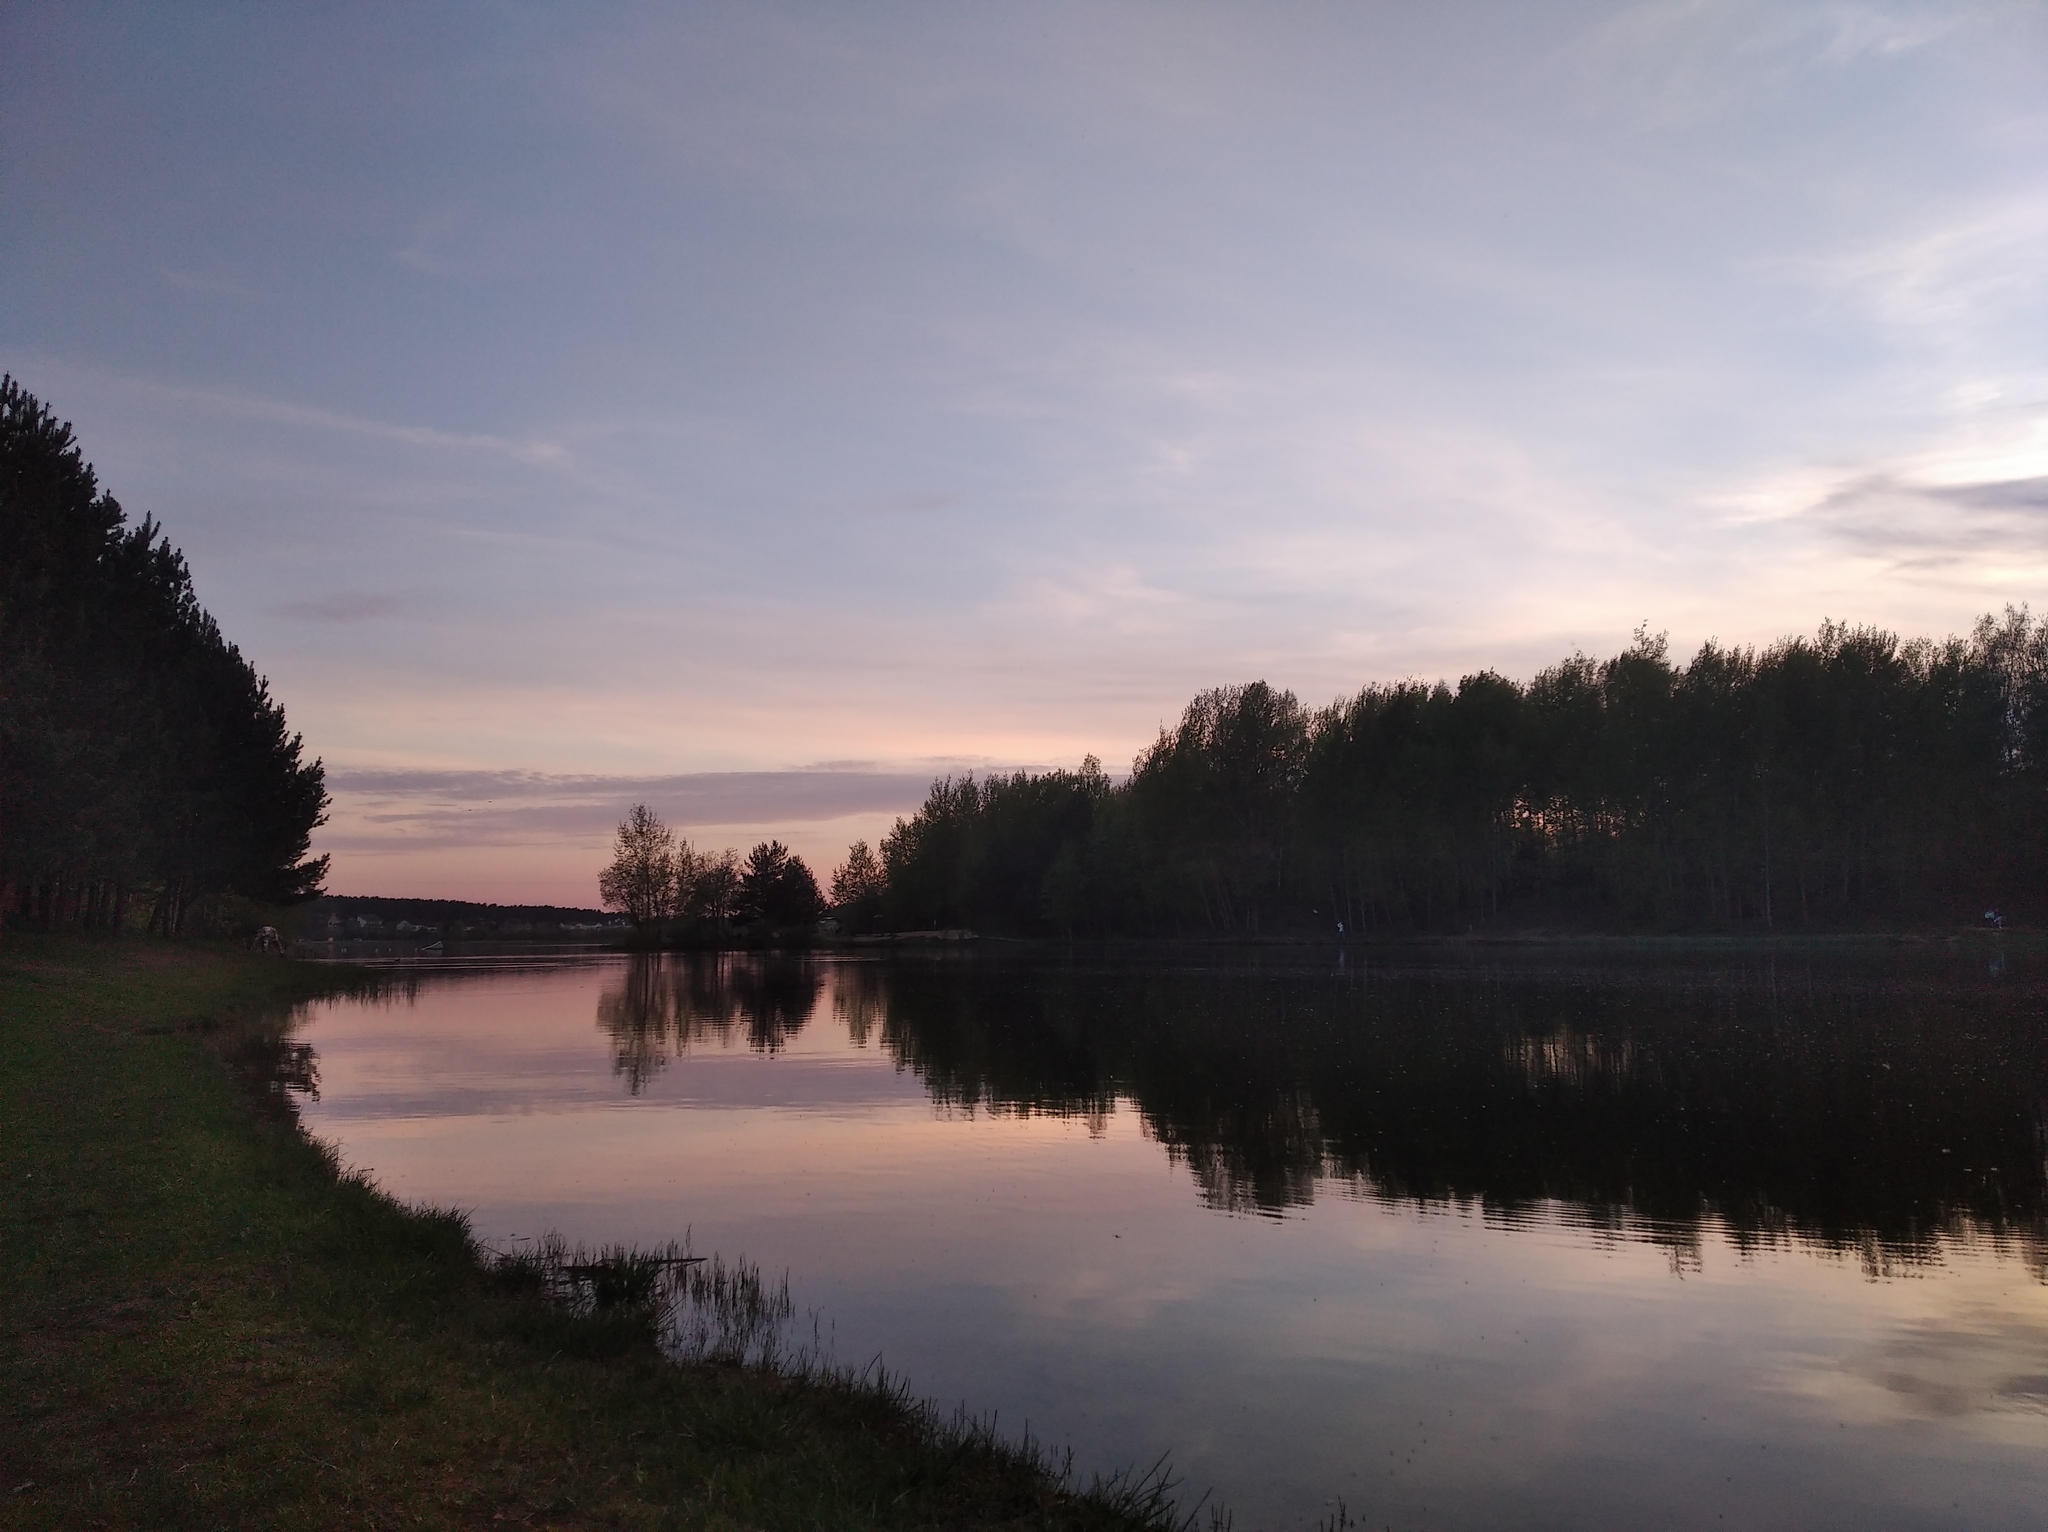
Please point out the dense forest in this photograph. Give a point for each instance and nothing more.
(1840, 781)
(147, 776)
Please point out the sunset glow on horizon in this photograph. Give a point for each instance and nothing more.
(761, 410)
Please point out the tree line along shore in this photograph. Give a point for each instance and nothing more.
(1844, 781)
(1847, 781)
(147, 776)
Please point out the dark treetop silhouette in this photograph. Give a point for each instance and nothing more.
(654, 878)
(1840, 781)
(139, 752)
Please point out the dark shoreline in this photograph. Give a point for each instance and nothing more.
(1964, 939)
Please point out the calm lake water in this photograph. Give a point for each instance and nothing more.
(1761, 1243)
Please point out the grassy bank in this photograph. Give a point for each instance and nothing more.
(205, 1324)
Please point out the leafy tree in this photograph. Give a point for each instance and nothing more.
(1839, 780)
(777, 888)
(641, 880)
(687, 868)
(858, 886)
(981, 853)
(715, 891)
(1216, 797)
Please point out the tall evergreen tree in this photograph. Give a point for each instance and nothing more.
(140, 753)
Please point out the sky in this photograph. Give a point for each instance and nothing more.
(758, 410)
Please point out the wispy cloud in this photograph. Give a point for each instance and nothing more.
(1968, 268)
(1935, 525)
(258, 409)
(380, 808)
(1850, 32)
(756, 384)
(352, 606)
(1671, 64)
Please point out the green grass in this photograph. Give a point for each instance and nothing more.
(205, 1324)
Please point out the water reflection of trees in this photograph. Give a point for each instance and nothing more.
(1873, 1118)
(661, 1005)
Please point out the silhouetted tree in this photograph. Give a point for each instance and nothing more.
(777, 889)
(1214, 800)
(1837, 780)
(857, 888)
(1007, 852)
(140, 753)
(715, 891)
(641, 880)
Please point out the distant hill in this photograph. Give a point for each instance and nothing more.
(364, 915)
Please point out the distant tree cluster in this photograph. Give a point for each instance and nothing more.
(1837, 781)
(654, 877)
(356, 915)
(141, 756)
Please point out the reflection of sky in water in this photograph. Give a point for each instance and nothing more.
(1432, 1364)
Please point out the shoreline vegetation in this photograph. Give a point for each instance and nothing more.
(210, 1322)
(658, 882)
(1851, 782)
(147, 776)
